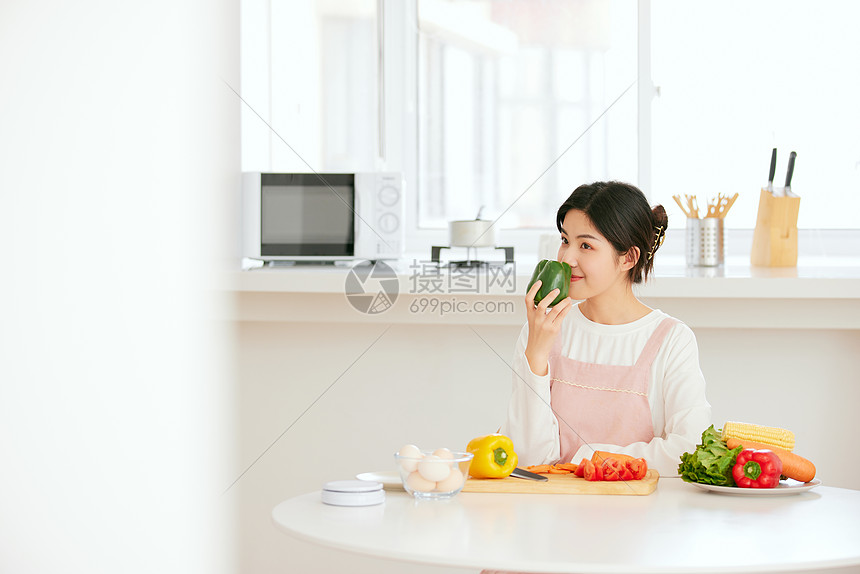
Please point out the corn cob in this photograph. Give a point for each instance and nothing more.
(771, 436)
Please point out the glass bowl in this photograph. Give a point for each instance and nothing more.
(434, 476)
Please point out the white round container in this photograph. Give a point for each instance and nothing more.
(472, 233)
(353, 493)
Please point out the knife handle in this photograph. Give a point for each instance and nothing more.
(772, 166)
(790, 171)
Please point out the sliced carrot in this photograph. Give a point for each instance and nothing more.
(793, 466)
(539, 468)
(561, 468)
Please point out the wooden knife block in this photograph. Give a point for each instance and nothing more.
(775, 236)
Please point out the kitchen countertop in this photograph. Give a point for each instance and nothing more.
(678, 528)
(814, 278)
(819, 293)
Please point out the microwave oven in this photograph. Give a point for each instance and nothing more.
(322, 217)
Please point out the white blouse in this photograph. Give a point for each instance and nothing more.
(679, 410)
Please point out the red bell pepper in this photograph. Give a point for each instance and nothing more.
(757, 469)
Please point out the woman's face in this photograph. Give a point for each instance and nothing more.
(595, 265)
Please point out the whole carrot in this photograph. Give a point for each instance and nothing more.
(793, 466)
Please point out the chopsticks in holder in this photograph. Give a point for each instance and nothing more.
(693, 205)
(720, 206)
(714, 205)
(731, 202)
(717, 207)
(677, 199)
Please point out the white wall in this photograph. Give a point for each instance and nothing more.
(119, 155)
(441, 385)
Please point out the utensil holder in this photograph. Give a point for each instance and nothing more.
(706, 242)
(775, 236)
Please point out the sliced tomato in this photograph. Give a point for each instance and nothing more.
(592, 471)
(580, 468)
(626, 474)
(638, 468)
(612, 469)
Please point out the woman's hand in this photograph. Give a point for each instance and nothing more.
(543, 327)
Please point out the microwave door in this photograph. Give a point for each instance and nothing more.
(307, 216)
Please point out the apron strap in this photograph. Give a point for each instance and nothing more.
(655, 341)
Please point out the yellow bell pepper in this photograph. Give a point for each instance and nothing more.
(494, 456)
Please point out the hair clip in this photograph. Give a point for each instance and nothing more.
(658, 241)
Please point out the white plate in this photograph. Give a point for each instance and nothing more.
(784, 488)
(390, 479)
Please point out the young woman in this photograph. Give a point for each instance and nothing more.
(607, 373)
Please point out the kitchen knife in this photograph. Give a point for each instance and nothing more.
(772, 170)
(522, 473)
(789, 173)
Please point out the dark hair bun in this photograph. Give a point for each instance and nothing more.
(661, 224)
(661, 219)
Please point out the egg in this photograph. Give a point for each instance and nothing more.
(433, 468)
(412, 452)
(453, 482)
(417, 482)
(444, 453)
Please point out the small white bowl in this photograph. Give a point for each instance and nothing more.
(434, 477)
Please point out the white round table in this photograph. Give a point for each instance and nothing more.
(678, 528)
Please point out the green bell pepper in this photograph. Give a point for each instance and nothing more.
(553, 275)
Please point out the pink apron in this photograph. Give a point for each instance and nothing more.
(603, 403)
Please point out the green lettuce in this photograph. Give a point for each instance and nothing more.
(711, 462)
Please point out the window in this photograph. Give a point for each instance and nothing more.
(507, 105)
(518, 102)
(309, 71)
(740, 78)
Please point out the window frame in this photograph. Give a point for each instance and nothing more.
(398, 20)
(400, 72)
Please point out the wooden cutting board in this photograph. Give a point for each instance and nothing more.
(564, 484)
